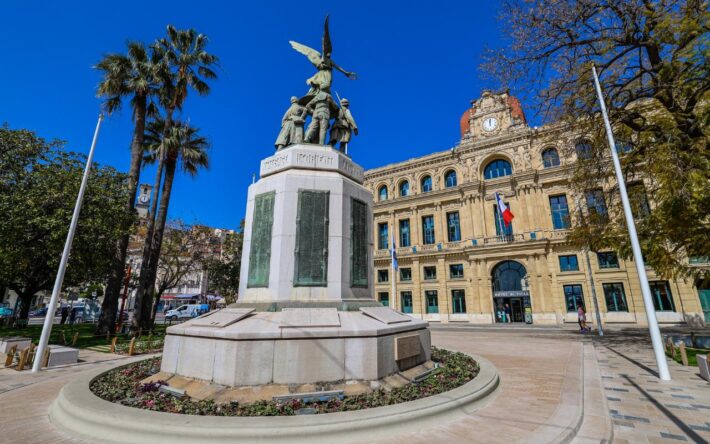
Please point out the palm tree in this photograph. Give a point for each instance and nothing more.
(136, 75)
(179, 145)
(190, 67)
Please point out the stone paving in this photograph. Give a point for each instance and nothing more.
(25, 398)
(541, 399)
(540, 396)
(643, 408)
(11, 379)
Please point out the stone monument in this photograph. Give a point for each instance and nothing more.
(306, 311)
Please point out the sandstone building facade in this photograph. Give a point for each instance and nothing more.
(459, 262)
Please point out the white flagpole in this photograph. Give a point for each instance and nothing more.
(578, 203)
(663, 372)
(395, 300)
(49, 318)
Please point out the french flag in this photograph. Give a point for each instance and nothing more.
(504, 211)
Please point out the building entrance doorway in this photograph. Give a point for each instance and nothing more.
(511, 298)
(509, 308)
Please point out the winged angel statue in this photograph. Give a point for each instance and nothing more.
(321, 80)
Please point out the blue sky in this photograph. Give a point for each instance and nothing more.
(417, 64)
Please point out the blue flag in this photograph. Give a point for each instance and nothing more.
(393, 252)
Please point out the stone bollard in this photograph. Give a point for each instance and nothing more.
(703, 361)
(74, 339)
(113, 344)
(132, 346)
(683, 354)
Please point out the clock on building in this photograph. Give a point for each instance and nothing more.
(490, 123)
(144, 198)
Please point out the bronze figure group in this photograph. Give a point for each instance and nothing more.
(319, 104)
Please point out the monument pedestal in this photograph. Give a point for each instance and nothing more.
(306, 311)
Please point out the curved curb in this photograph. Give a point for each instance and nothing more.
(80, 413)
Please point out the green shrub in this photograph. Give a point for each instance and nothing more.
(123, 385)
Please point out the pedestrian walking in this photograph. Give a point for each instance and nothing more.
(72, 316)
(582, 320)
(508, 313)
(65, 314)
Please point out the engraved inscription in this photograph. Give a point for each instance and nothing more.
(302, 157)
(274, 162)
(315, 159)
(407, 347)
(311, 255)
(260, 253)
(358, 243)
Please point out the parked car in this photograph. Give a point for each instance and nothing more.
(42, 312)
(82, 314)
(184, 312)
(5, 312)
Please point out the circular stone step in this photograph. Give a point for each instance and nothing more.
(80, 413)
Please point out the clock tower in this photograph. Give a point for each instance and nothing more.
(491, 115)
(143, 201)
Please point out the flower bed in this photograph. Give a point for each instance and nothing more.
(123, 386)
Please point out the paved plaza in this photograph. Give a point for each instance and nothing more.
(556, 386)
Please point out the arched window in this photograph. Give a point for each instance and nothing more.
(382, 192)
(550, 158)
(583, 149)
(404, 189)
(426, 184)
(509, 276)
(497, 168)
(450, 179)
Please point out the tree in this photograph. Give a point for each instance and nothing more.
(223, 270)
(653, 63)
(180, 257)
(183, 146)
(190, 65)
(137, 75)
(37, 202)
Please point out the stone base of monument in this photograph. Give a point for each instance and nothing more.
(305, 313)
(204, 390)
(242, 347)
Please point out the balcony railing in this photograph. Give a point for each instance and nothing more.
(516, 238)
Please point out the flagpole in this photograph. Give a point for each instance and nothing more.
(49, 317)
(500, 221)
(591, 276)
(655, 332)
(394, 275)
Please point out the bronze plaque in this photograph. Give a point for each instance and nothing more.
(260, 253)
(358, 243)
(407, 347)
(311, 264)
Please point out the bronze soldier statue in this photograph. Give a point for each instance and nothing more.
(320, 106)
(292, 125)
(343, 127)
